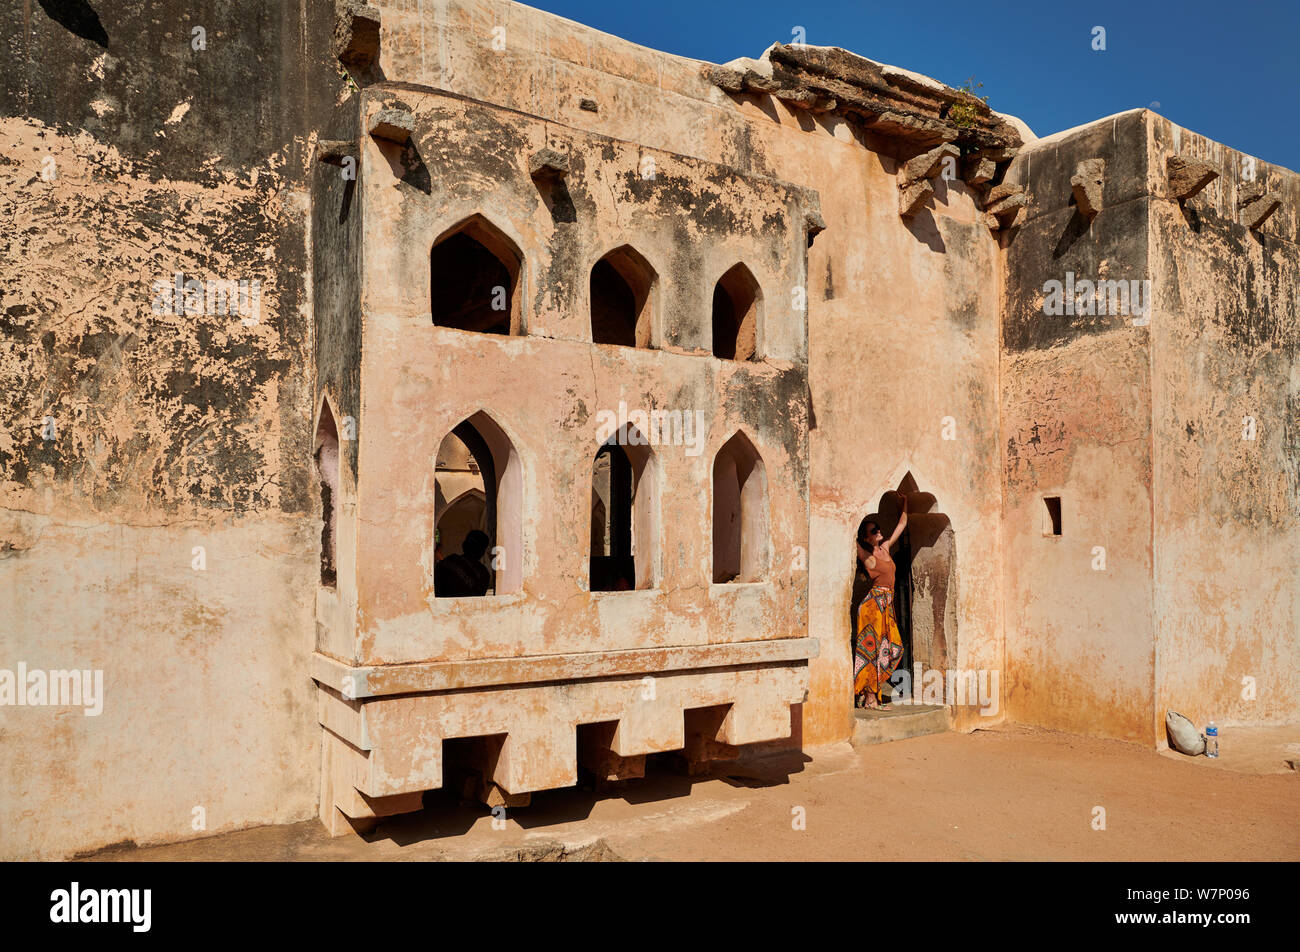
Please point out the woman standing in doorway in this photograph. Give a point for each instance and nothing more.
(877, 646)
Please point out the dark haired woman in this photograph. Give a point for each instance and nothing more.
(877, 646)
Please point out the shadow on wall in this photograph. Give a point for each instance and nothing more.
(78, 17)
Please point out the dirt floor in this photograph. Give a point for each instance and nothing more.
(1011, 793)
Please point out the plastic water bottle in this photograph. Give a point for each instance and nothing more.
(1211, 740)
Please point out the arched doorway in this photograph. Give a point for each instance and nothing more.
(925, 588)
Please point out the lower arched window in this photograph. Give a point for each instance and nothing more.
(478, 523)
(624, 514)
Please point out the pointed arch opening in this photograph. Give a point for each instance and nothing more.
(737, 300)
(624, 514)
(474, 279)
(326, 457)
(741, 544)
(623, 286)
(478, 518)
(925, 578)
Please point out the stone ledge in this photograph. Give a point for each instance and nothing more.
(379, 680)
(380, 753)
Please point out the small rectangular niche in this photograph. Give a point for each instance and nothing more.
(1051, 515)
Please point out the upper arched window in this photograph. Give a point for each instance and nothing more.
(740, 521)
(474, 279)
(736, 303)
(478, 518)
(623, 287)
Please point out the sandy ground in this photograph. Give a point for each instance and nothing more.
(1011, 793)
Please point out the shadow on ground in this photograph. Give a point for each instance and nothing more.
(446, 815)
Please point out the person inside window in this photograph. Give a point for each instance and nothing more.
(464, 573)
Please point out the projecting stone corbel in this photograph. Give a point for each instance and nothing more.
(395, 124)
(356, 34)
(1005, 206)
(979, 170)
(1257, 205)
(928, 164)
(813, 222)
(548, 165)
(981, 166)
(334, 151)
(1089, 176)
(913, 198)
(1188, 176)
(914, 187)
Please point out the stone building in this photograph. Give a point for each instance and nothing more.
(665, 332)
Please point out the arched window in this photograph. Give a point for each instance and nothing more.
(327, 474)
(740, 522)
(736, 302)
(478, 518)
(624, 514)
(474, 273)
(622, 299)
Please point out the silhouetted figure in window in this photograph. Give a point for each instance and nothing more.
(464, 573)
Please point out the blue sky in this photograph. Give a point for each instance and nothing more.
(1224, 69)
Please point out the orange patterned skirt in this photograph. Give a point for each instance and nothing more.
(877, 646)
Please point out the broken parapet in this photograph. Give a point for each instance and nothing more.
(883, 99)
(1188, 176)
(356, 34)
(1005, 206)
(548, 164)
(1089, 177)
(1257, 204)
(887, 101)
(394, 123)
(752, 80)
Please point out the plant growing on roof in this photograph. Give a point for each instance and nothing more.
(964, 112)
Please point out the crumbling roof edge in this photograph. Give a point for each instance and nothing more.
(886, 99)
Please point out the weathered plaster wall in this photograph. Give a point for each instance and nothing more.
(881, 293)
(129, 437)
(692, 221)
(1140, 430)
(1076, 423)
(548, 65)
(175, 431)
(902, 335)
(1226, 343)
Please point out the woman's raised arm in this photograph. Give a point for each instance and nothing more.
(902, 520)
